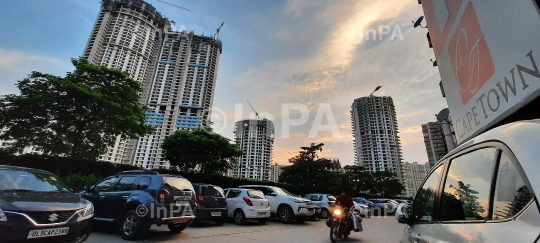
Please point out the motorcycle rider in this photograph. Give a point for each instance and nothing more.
(346, 202)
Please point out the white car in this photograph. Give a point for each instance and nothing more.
(363, 210)
(285, 205)
(245, 204)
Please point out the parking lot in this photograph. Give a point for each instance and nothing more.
(375, 230)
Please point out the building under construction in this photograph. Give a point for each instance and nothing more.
(434, 141)
(256, 138)
(177, 69)
(375, 129)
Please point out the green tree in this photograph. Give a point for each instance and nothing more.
(200, 150)
(311, 172)
(76, 116)
(359, 178)
(386, 184)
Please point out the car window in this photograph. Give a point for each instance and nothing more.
(211, 191)
(106, 185)
(125, 183)
(425, 198)
(315, 198)
(467, 186)
(255, 194)
(511, 193)
(23, 180)
(265, 190)
(144, 182)
(177, 183)
(233, 194)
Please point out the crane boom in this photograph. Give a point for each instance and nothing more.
(161, 1)
(256, 113)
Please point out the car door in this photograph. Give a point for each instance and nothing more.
(96, 195)
(424, 208)
(485, 198)
(271, 195)
(117, 198)
(233, 201)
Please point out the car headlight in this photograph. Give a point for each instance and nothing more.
(2, 216)
(337, 212)
(296, 200)
(89, 210)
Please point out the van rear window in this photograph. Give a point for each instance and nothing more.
(178, 183)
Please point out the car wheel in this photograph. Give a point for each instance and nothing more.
(239, 217)
(177, 228)
(192, 223)
(263, 221)
(325, 213)
(220, 221)
(131, 226)
(285, 215)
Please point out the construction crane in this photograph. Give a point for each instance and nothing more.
(378, 87)
(256, 113)
(161, 1)
(216, 36)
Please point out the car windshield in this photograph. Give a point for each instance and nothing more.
(177, 183)
(283, 192)
(331, 198)
(255, 194)
(25, 181)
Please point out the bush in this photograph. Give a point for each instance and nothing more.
(77, 181)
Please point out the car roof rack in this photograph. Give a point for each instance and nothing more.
(138, 172)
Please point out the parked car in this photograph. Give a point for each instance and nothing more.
(373, 207)
(404, 202)
(137, 199)
(389, 206)
(212, 204)
(36, 205)
(243, 204)
(285, 205)
(361, 209)
(484, 190)
(326, 202)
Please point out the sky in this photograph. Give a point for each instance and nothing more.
(310, 53)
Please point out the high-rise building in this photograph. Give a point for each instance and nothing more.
(413, 176)
(375, 131)
(275, 172)
(256, 138)
(177, 69)
(434, 141)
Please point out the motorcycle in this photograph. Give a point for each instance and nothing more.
(338, 223)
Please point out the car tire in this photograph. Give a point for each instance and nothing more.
(192, 223)
(177, 228)
(325, 213)
(132, 226)
(285, 215)
(263, 221)
(220, 221)
(239, 217)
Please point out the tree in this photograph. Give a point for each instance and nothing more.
(76, 116)
(202, 150)
(385, 184)
(359, 178)
(311, 172)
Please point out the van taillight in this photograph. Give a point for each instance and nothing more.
(248, 201)
(200, 199)
(161, 196)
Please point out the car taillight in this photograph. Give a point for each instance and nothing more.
(200, 199)
(248, 201)
(161, 196)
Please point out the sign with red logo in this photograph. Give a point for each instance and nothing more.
(470, 56)
(488, 56)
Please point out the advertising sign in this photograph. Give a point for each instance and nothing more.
(488, 54)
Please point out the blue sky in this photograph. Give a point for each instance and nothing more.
(297, 51)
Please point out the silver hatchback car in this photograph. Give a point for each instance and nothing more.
(483, 191)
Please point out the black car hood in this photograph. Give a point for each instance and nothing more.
(40, 201)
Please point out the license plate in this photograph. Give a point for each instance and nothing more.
(182, 203)
(261, 214)
(215, 214)
(47, 232)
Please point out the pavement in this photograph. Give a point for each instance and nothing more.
(375, 230)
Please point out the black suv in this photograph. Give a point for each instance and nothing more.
(138, 199)
(36, 206)
(212, 204)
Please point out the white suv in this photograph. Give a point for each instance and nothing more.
(285, 205)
